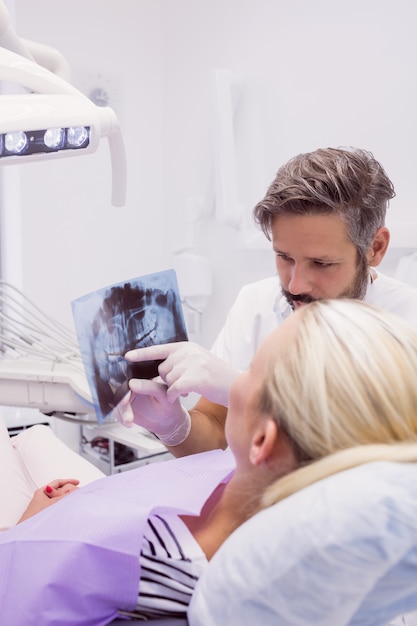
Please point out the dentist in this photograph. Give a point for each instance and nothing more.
(324, 214)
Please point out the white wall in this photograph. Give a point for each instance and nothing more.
(307, 74)
(75, 241)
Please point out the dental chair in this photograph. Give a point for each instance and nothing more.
(340, 552)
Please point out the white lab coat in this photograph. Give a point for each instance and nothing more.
(260, 307)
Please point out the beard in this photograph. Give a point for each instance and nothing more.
(356, 290)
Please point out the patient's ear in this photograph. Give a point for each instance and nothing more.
(264, 442)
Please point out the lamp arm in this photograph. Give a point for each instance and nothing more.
(8, 38)
(17, 69)
(45, 55)
(48, 57)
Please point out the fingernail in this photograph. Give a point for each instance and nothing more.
(48, 489)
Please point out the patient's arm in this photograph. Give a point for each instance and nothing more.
(45, 496)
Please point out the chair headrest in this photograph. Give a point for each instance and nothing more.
(342, 551)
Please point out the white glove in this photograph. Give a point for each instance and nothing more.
(146, 405)
(186, 368)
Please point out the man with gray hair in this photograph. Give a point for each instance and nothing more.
(325, 216)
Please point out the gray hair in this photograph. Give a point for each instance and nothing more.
(348, 182)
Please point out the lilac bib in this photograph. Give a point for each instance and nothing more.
(77, 562)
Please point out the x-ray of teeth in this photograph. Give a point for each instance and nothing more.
(109, 322)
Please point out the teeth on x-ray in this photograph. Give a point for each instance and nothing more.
(111, 321)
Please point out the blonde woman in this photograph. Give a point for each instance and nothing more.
(331, 388)
(343, 390)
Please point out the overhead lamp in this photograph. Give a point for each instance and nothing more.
(53, 119)
(23, 143)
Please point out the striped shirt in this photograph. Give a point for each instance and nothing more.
(171, 563)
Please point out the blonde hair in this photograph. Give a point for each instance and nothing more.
(345, 393)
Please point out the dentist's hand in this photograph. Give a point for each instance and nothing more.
(186, 368)
(147, 405)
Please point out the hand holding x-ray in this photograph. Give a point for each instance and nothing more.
(187, 367)
(147, 405)
(135, 313)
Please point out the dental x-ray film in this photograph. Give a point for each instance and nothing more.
(133, 314)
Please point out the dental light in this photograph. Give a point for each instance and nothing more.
(42, 116)
(54, 120)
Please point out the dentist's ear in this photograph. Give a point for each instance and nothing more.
(264, 442)
(378, 247)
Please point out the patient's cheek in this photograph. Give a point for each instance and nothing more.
(237, 394)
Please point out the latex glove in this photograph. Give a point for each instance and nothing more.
(147, 405)
(187, 367)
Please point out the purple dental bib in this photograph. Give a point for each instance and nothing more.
(76, 562)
